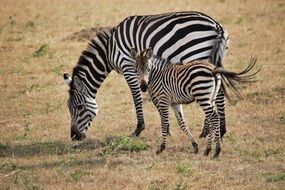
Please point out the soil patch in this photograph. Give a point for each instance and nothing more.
(87, 34)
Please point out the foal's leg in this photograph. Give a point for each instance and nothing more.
(210, 116)
(164, 116)
(220, 102)
(177, 108)
(214, 119)
(216, 125)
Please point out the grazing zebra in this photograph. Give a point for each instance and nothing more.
(175, 84)
(179, 37)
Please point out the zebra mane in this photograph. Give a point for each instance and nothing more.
(90, 51)
(95, 55)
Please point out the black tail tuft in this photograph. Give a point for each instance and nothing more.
(230, 79)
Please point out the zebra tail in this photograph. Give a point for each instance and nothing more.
(220, 47)
(230, 79)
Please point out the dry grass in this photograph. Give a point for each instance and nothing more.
(35, 148)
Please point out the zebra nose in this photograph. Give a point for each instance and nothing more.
(76, 135)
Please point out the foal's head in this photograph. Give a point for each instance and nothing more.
(143, 65)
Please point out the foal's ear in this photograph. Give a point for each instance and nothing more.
(133, 52)
(67, 78)
(148, 53)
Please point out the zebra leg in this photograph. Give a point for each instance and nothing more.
(216, 125)
(177, 108)
(205, 130)
(163, 111)
(209, 141)
(211, 116)
(134, 85)
(220, 102)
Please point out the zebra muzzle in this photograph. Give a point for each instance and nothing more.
(76, 135)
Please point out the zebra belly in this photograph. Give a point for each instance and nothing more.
(182, 99)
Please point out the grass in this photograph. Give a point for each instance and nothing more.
(35, 148)
(126, 143)
(277, 177)
(42, 51)
(184, 168)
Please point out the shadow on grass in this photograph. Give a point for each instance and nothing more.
(66, 163)
(110, 145)
(46, 148)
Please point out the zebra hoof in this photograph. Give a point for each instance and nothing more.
(207, 151)
(139, 129)
(223, 132)
(195, 146)
(217, 152)
(158, 151)
(162, 147)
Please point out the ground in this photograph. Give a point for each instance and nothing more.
(42, 39)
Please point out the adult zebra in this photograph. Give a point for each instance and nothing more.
(178, 37)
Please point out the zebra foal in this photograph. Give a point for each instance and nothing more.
(175, 84)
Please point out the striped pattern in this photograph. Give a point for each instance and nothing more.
(176, 84)
(179, 37)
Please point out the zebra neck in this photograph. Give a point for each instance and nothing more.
(93, 65)
(158, 67)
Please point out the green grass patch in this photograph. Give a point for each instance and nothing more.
(184, 168)
(157, 185)
(25, 180)
(30, 24)
(78, 174)
(230, 137)
(42, 51)
(276, 177)
(2, 146)
(181, 186)
(8, 167)
(271, 152)
(126, 144)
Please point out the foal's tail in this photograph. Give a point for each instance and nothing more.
(230, 79)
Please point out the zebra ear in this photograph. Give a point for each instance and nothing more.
(78, 84)
(67, 78)
(148, 53)
(133, 52)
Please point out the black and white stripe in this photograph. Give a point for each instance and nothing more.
(179, 37)
(175, 84)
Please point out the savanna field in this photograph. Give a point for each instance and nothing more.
(42, 39)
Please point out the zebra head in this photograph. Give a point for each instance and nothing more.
(142, 64)
(82, 107)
